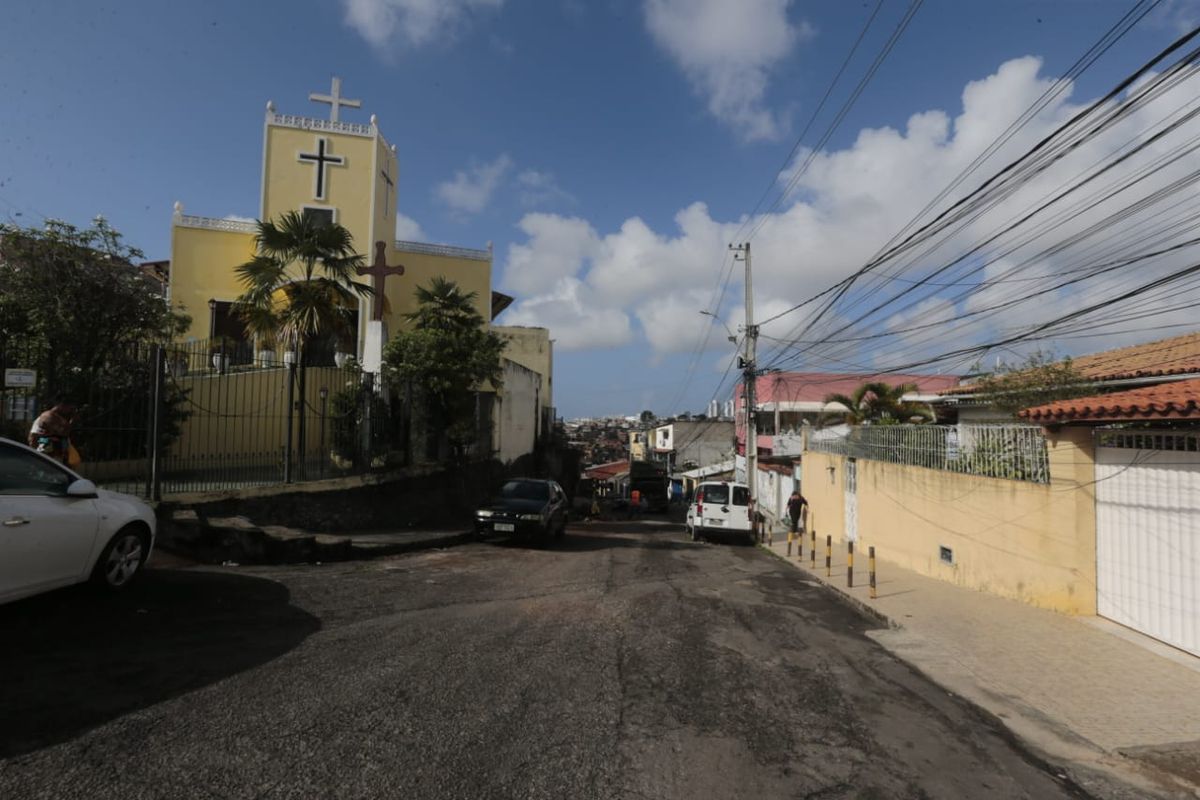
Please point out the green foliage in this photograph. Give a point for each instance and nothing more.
(76, 295)
(448, 355)
(877, 403)
(74, 306)
(647, 417)
(302, 282)
(1041, 378)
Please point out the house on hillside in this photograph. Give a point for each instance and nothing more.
(1088, 505)
(684, 444)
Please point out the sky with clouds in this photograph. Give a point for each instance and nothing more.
(609, 150)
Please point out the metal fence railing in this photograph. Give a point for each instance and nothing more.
(1015, 452)
(198, 416)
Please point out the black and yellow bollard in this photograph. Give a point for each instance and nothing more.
(800, 545)
(813, 550)
(789, 550)
(828, 554)
(850, 564)
(871, 565)
(770, 533)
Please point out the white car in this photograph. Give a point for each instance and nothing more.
(720, 507)
(57, 528)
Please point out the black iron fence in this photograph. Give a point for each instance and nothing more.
(203, 416)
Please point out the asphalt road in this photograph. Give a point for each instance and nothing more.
(624, 662)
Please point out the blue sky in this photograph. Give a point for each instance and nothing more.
(609, 149)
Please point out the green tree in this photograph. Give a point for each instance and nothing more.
(448, 354)
(75, 306)
(1041, 378)
(76, 293)
(878, 403)
(301, 284)
(647, 417)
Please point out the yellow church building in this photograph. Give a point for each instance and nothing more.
(348, 173)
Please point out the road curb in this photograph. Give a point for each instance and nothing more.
(829, 586)
(237, 539)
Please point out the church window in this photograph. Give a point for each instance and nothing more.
(322, 216)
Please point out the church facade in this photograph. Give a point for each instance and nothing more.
(346, 173)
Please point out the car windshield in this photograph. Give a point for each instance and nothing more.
(717, 493)
(526, 490)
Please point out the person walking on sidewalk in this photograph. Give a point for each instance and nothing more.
(796, 507)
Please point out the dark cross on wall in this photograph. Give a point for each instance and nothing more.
(320, 159)
(379, 272)
(387, 191)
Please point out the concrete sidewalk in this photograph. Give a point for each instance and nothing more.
(1078, 689)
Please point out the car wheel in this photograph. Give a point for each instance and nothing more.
(122, 559)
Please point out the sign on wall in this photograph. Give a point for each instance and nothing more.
(20, 378)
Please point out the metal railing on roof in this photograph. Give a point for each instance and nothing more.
(1014, 452)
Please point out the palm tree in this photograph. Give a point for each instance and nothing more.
(444, 306)
(300, 286)
(301, 283)
(875, 402)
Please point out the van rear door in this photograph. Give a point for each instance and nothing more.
(715, 506)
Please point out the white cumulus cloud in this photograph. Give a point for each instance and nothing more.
(846, 206)
(408, 229)
(576, 321)
(538, 188)
(410, 22)
(470, 190)
(727, 50)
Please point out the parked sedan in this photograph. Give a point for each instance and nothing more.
(57, 528)
(525, 506)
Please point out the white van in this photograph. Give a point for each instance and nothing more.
(720, 507)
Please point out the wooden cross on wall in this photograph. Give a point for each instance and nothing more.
(379, 272)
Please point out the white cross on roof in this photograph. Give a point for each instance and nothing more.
(334, 98)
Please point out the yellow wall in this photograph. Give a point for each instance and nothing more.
(420, 269)
(1031, 542)
(288, 182)
(202, 264)
(531, 348)
(245, 413)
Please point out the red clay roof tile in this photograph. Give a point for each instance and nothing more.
(1173, 400)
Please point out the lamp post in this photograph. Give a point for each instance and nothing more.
(731, 337)
(324, 393)
(212, 334)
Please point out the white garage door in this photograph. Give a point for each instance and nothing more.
(1148, 534)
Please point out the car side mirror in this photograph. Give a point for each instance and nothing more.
(81, 488)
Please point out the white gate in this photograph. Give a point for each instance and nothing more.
(1148, 533)
(851, 500)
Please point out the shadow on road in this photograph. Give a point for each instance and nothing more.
(76, 658)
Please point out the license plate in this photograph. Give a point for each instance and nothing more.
(505, 527)
(716, 523)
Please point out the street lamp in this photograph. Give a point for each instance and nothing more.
(731, 337)
(212, 333)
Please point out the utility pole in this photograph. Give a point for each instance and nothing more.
(749, 378)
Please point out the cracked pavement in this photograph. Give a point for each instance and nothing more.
(622, 662)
